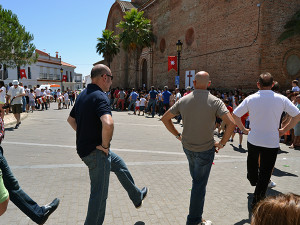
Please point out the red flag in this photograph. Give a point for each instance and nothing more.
(64, 78)
(23, 74)
(172, 63)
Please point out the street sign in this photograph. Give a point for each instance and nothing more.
(177, 80)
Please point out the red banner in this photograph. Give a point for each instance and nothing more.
(64, 78)
(23, 74)
(172, 63)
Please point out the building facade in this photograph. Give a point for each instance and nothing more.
(47, 70)
(233, 40)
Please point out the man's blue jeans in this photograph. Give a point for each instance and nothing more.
(100, 166)
(200, 165)
(132, 102)
(152, 103)
(17, 195)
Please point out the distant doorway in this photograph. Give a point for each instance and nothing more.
(144, 74)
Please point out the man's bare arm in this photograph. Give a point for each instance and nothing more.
(239, 123)
(72, 122)
(107, 132)
(167, 120)
(290, 125)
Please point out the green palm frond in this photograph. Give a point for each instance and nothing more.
(292, 28)
(108, 45)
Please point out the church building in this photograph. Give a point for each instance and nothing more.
(233, 40)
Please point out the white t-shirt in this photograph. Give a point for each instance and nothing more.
(31, 96)
(66, 95)
(58, 94)
(142, 102)
(3, 94)
(48, 92)
(27, 91)
(265, 108)
(14, 92)
(137, 103)
(178, 96)
(38, 92)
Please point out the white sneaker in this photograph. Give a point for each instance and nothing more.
(271, 184)
(206, 222)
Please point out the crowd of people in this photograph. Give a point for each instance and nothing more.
(264, 116)
(16, 98)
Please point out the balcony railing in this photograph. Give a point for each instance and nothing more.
(46, 76)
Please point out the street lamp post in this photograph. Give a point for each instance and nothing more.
(179, 48)
(61, 72)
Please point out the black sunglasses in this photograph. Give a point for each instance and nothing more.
(111, 77)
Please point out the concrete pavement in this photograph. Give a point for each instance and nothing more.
(42, 156)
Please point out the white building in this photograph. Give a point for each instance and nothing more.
(47, 70)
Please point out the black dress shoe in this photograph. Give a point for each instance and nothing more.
(145, 191)
(49, 209)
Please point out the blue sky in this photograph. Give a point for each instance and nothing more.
(70, 27)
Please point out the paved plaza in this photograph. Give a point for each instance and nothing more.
(42, 156)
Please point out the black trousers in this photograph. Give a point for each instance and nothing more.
(259, 176)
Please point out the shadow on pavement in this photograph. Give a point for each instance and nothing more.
(10, 129)
(280, 173)
(280, 152)
(247, 221)
(139, 223)
(241, 150)
(272, 192)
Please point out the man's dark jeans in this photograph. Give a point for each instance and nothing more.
(200, 165)
(17, 195)
(259, 176)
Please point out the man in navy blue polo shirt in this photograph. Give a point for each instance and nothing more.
(91, 118)
(152, 101)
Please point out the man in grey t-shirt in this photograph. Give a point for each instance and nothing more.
(199, 110)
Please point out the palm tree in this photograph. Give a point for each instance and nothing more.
(136, 33)
(292, 28)
(108, 46)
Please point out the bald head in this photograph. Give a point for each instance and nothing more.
(202, 80)
(100, 70)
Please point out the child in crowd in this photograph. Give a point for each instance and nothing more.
(142, 105)
(137, 104)
(295, 87)
(31, 97)
(66, 102)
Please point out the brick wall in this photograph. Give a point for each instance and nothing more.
(233, 40)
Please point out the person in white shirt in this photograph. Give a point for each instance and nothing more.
(265, 108)
(142, 105)
(66, 96)
(44, 96)
(2, 98)
(48, 94)
(58, 94)
(37, 95)
(137, 104)
(31, 96)
(27, 91)
(16, 93)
